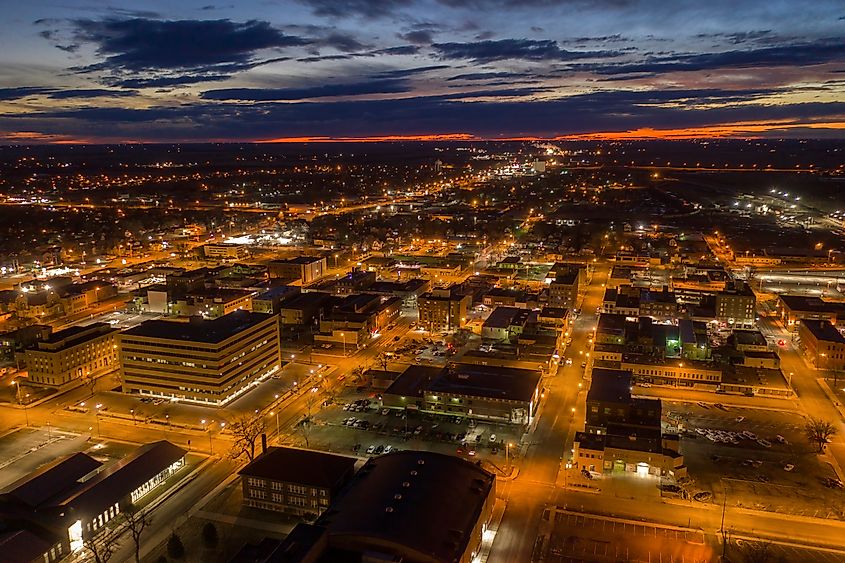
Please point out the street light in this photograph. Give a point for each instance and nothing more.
(210, 445)
(97, 416)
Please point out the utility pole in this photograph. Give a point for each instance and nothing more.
(724, 510)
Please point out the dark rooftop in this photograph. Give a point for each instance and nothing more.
(425, 504)
(307, 467)
(472, 380)
(811, 304)
(51, 479)
(553, 312)
(610, 385)
(119, 479)
(493, 382)
(823, 330)
(75, 333)
(198, 329)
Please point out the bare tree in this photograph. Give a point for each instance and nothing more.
(819, 432)
(102, 547)
(136, 522)
(246, 431)
(383, 359)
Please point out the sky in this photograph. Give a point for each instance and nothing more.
(287, 70)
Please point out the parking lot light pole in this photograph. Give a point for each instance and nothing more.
(206, 427)
(97, 416)
(507, 456)
(276, 414)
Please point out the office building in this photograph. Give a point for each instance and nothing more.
(72, 356)
(443, 309)
(737, 305)
(201, 361)
(623, 433)
(564, 281)
(822, 344)
(307, 269)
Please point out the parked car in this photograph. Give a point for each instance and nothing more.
(492, 438)
(371, 450)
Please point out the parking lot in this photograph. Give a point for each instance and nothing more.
(779, 552)
(759, 458)
(580, 537)
(356, 423)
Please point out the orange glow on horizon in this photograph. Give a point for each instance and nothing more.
(747, 129)
(750, 129)
(375, 139)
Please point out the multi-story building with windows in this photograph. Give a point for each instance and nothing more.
(823, 344)
(295, 481)
(72, 355)
(737, 305)
(305, 268)
(563, 286)
(443, 309)
(201, 361)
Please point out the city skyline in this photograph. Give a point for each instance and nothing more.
(312, 70)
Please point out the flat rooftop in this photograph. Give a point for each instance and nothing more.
(472, 380)
(823, 331)
(610, 385)
(307, 467)
(427, 502)
(198, 329)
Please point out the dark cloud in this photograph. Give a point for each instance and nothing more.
(168, 81)
(22, 92)
(486, 75)
(799, 54)
(618, 110)
(533, 4)
(384, 86)
(420, 37)
(403, 72)
(522, 49)
(615, 38)
(397, 50)
(141, 44)
(362, 8)
(341, 42)
(90, 93)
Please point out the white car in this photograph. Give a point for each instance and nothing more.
(492, 438)
(371, 450)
